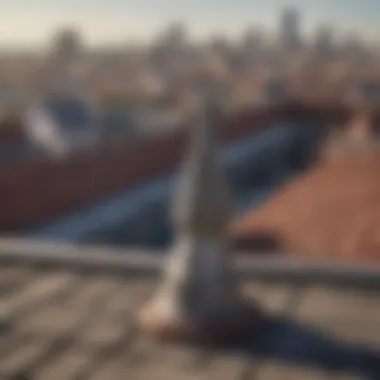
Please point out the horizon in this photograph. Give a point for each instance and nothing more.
(114, 21)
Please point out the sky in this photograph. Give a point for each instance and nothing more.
(30, 23)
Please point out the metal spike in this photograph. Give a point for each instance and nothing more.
(198, 298)
(203, 203)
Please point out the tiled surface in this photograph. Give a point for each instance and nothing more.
(60, 324)
(351, 316)
(330, 212)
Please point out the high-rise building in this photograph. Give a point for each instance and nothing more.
(59, 73)
(290, 38)
(323, 42)
(170, 50)
(252, 42)
(173, 41)
(66, 45)
(176, 35)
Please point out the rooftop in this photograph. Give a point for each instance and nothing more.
(76, 312)
(72, 319)
(329, 212)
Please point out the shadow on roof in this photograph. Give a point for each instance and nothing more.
(288, 342)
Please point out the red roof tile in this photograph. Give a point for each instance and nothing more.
(332, 211)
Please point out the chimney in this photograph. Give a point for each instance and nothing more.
(198, 297)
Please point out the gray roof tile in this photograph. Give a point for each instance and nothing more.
(77, 324)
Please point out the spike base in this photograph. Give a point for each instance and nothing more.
(221, 326)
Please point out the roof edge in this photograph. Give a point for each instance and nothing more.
(138, 261)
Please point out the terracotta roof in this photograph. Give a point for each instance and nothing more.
(332, 211)
(73, 323)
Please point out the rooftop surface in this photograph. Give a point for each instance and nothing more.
(67, 319)
(331, 212)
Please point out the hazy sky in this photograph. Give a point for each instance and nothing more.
(31, 22)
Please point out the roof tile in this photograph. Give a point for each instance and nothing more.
(79, 325)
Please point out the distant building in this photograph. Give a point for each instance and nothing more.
(66, 46)
(221, 47)
(170, 49)
(252, 41)
(290, 38)
(323, 42)
(175, 36)
(251, 47)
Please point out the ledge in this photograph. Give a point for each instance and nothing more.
(148, 262)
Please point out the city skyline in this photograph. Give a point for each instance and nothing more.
(31, 23)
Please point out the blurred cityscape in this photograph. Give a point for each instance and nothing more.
(153, 85)
(234, 179)
(126, 108)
